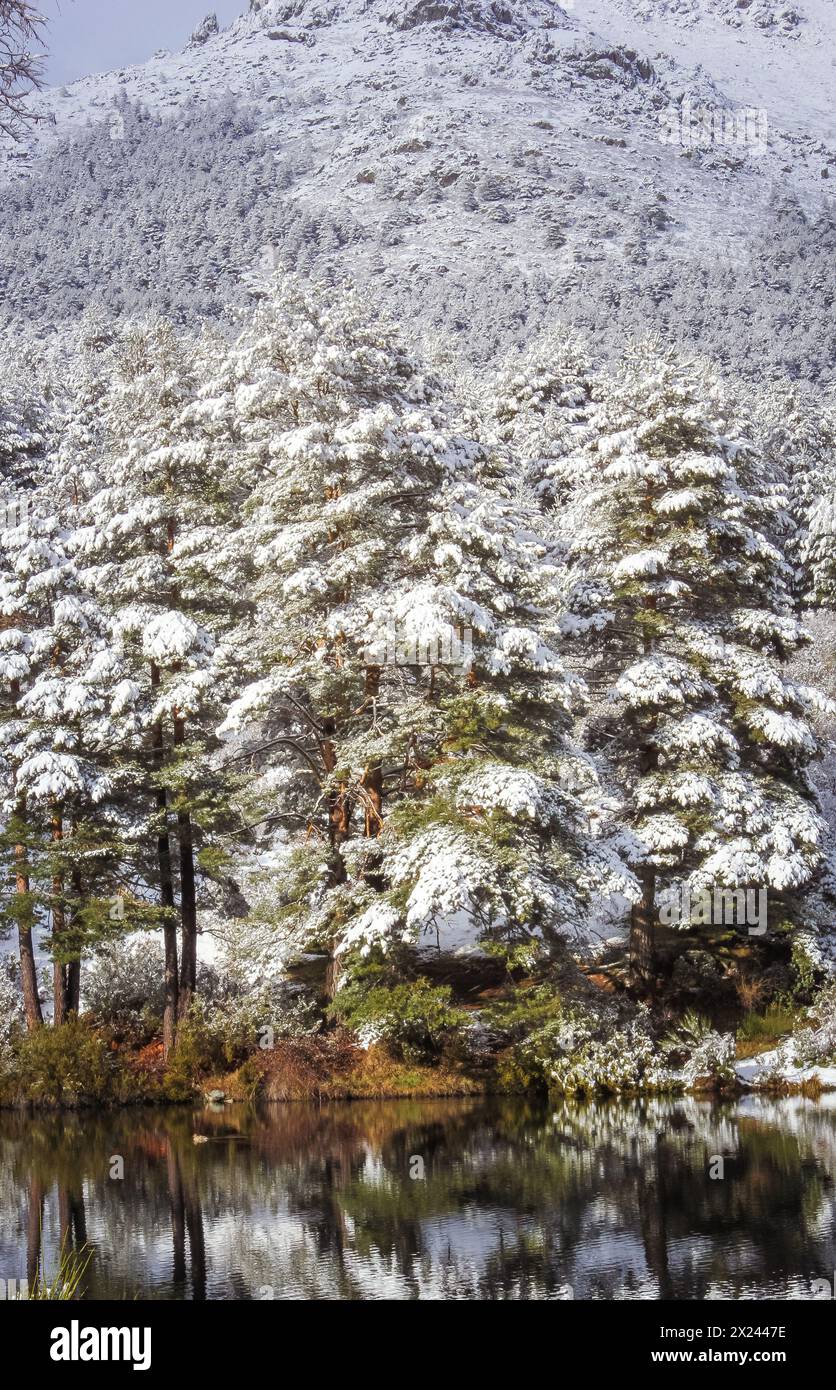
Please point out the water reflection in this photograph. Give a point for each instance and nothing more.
(516, 1201)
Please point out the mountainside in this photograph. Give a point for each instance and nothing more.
(490, 163)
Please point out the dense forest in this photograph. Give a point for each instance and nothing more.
(460, 722)
(170, 214)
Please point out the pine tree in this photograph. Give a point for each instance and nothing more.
(684, 604)
(22, 443)
(401, 627)
(802, 434)
(158, 558)
(540, 404)
(57, 736)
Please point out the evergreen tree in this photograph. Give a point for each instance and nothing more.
(402, 628)
(158, 554)
(684, 604)
(540, 405)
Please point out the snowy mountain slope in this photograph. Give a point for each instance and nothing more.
(497, 148)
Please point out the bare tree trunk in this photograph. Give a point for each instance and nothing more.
(642, 931)
(28, 969)
(188, 896)
(172, 989)
(339, 817)
(59, 970)
(74, 967)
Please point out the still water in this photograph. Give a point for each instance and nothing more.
(466, 1199)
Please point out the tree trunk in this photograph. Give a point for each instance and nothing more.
(643, 913)
(373, 776)
(28, 969)
(188, 897)
(172, 989)
(59, 970)
(339, 817)
(74, 967)
(373, 783)
(642, 924)
(332, 973)
(74, 987)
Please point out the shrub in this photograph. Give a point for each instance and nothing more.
(414, 1020)
(124, 988)
(806, 969)
(70, 1065)
(584, 1050)
(815, 1045)
(691, 1029)
(195, 1053)
(242, 1022)
(711, 1063)
(624, 1062)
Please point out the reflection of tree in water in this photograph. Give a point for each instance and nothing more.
(516, 1201)
(186, 1218)
(42, 1184)
(758, 1226)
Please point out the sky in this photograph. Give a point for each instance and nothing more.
(87, 36)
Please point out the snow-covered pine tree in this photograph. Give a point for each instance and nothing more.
(158, 554)
(53, 734)
(684, 603)
(539, 405)
(802, 434)
(22, 433)
(22, 443)
(402, 621)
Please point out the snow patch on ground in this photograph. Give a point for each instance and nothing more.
(769, 1066)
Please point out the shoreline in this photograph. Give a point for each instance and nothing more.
(810, 1083)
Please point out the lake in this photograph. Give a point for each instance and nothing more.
(458, 1199)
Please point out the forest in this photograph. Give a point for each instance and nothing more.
(378, 726)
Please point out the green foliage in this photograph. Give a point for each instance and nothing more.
(690, 1030)
(565, 1047)
(66, 1284)
(413, 1019)
(774, 1022)
(472, 718)
(524, 1011)
(70, 1066)
(806, 973)
(198, 1051)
